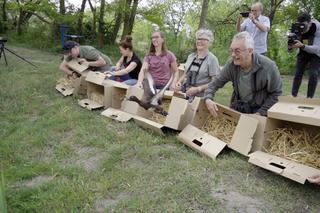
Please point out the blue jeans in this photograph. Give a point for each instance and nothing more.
(303, 59)
(126, 79)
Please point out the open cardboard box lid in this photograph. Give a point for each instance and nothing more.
(283, 167)
(201, 141)
(242, 139)
(90, 104)
(299, 110)
(65, 91)
(75, 66)
(96, 77)
(111, 83)
(149, 124)
(117, 115)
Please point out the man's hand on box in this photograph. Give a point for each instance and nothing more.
(212, 107)
(83, 61)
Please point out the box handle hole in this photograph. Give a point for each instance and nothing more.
(197, 142)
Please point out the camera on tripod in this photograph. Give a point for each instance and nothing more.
(295, 33)
(3, 40)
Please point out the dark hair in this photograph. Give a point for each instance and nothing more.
(152, 49)
(304, 17)
(68, 45)
(126, 43)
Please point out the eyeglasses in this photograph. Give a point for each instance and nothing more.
(202, 39)
(155, 37)
(236, 51)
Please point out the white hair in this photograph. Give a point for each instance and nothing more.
(259, 4)
(205, 32)
(248, 40)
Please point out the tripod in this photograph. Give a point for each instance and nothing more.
(2, 48)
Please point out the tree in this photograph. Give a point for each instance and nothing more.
(101, 24)
(94, 20)
(117, 21)
(80, 20)
(130, 11)
(204, 13)
(3, 20)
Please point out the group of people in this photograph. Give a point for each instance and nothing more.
(255, 78)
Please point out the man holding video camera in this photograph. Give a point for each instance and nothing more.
(257, 26)
(308, 42)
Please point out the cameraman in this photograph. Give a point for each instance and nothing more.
(309, 53)
(257, 26)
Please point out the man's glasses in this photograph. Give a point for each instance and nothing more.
(202, 39)
(236, 51)
(155, 37)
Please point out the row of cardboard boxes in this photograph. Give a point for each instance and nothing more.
(244, 133)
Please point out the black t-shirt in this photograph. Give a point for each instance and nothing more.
(134, 73)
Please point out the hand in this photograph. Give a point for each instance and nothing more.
(192, 91)
(314, 179)
(173, 87)
(139, 84)
(83, 61)
(178, 86)
(212, 107)
(297, 44)
(117, 68)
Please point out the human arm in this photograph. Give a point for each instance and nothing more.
(96, 63)
(144, 68)
(274, 89)
(175, 73)
(180, 82)
(314, 179)
(69, 72)
(238, 25)
(192, 91)
(124, 71)
(263, 25)
(119, 63)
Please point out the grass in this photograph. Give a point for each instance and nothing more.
(57, 157)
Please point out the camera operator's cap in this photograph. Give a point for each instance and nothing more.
(68, 46)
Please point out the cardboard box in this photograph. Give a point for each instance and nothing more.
(114, 93)
(180, 112)
(295, 113)
(80, 84)
(75, 66)
(95, 91)
(65, 86)
(242, 138)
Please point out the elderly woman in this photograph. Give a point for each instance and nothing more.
(200, 67)
(159, 62)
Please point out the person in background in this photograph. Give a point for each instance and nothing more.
(159, 62)
(200, 67)
(255, 78)
(257, 26)
(128, 67)
(87, 55)
(309, 54)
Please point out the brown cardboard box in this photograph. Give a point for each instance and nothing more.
(242, 138)
(114, 93)
(296, 113)
(95, 91)
(80, 84)
(180, 112)
(65, 86)
(75, 66)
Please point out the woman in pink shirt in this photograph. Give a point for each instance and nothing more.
(159, 62)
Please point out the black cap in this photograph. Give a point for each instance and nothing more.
(68, 46)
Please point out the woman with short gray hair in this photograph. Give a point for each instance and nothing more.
(200, 67)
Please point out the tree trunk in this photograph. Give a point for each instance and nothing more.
(274, 4)
(62, 7)
(3, 22)
(20, 21)
(132, 16)
(101, 24)
(80, 20)
(126, 18)
(94, 20)
(204, 13)
(116, 26)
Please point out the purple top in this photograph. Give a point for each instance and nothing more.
(160, 67)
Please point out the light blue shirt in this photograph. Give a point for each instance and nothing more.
(259, 37)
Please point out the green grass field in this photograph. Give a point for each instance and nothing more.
(58, 157)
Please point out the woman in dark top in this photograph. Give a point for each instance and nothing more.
(128, 67)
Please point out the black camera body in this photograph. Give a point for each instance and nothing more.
(245, 14)
(3, 40)
(296, 32)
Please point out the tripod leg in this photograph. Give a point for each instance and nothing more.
(20, 57)
(4, 55)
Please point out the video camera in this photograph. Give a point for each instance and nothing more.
(295, 33)
(3, 40)
(245, 14)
